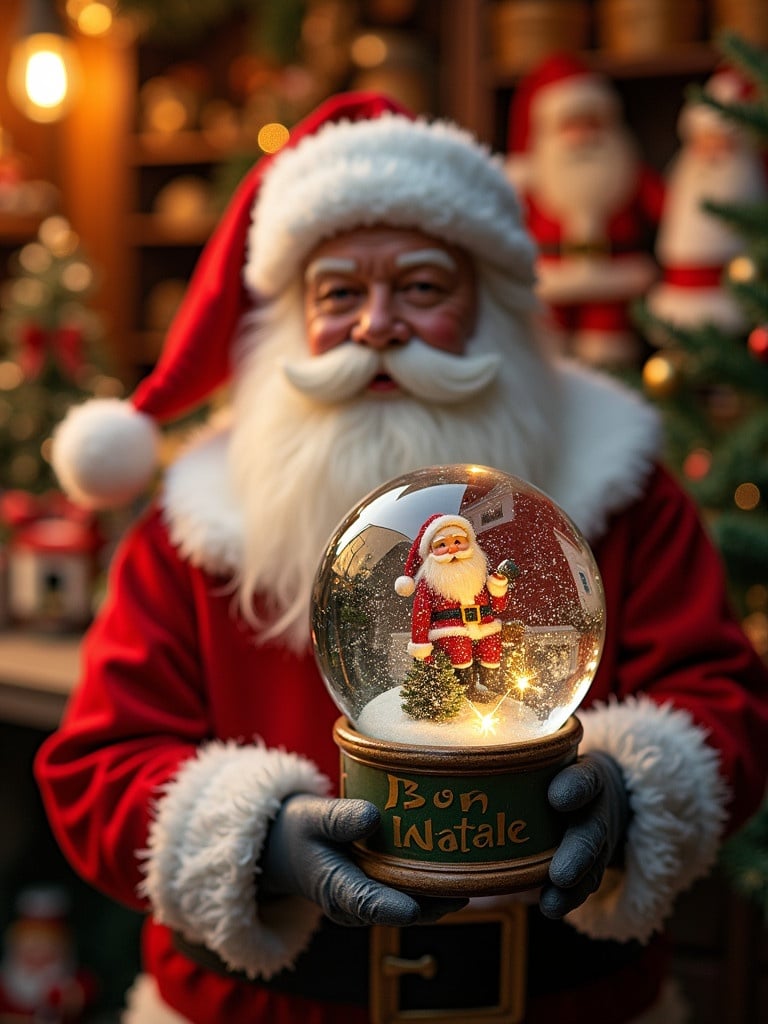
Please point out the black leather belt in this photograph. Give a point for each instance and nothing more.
(467, 613)
(470, 961)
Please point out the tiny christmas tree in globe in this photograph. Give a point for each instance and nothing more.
(432, 690)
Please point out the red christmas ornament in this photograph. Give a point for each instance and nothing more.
(757, 343)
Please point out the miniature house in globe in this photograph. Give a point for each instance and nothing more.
(458, 620)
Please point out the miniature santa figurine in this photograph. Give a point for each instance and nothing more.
(591, 204)
(39, 978)
(456, 599)
(717, 161)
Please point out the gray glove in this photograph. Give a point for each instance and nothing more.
(592, 792)
(306, 855)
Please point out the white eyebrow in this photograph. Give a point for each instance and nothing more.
(329, 265)
(420, 257)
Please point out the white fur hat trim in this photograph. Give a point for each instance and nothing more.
(432, 177)
(105, 452)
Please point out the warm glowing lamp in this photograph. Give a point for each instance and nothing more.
(457, 746)
(42, 70)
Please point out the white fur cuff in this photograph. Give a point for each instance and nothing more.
(205, 842)
(420, 651)
(677, 798)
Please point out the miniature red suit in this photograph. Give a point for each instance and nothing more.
(473, 631)
(174, 691)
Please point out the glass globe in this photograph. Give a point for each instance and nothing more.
(457, 606)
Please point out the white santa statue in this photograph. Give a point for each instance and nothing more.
(717, 161)
(591, 204)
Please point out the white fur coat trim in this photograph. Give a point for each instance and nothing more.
(610, 440)
(205, 842)
(678, 803)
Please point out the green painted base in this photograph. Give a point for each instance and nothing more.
(457, 821)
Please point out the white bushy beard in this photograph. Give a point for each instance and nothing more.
(688, 233)
(460, 579)
(298, 465)
(584, 184)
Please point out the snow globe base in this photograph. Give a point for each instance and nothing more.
(457, 821)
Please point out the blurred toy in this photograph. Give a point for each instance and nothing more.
(717, 161)
(39, 977)
(591, 204)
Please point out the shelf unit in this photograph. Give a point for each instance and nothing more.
(110, 184)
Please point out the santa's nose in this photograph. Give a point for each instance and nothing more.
(377, 324)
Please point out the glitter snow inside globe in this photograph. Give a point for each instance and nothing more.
(458, 620)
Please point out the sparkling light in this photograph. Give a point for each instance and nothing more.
(487, 722)
(40, 75)
(272, 136)
(46, 80)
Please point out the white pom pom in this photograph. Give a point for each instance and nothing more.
(404, 586)
(105, 452)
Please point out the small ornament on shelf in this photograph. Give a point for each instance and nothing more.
(53, 548)
(41, 981)
(457, 695)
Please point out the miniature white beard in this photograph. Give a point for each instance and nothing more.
(459, 580)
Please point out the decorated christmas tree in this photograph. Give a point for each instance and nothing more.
(432, 690)
(710, 377)
(50, 352)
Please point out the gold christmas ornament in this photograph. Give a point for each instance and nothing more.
(661, 376)
(742, 270)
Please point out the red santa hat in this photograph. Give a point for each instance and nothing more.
(727, 86)
(560, 85)
(359, 160)
(430, 532)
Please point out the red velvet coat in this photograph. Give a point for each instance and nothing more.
(166, 669)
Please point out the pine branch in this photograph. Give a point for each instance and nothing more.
(749, 58)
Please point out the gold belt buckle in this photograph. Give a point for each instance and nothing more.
(470, 613)
(388, 967)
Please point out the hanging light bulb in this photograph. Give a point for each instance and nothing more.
(42, 71)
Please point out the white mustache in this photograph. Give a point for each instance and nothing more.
(423, 371)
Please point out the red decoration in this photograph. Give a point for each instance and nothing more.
(65, 345)
(758, 343)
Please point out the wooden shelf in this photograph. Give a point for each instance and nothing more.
(694, 59)
(15, 229)
(149, 229)
(37, 675)
(182, 148)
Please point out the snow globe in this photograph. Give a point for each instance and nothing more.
(458, 620)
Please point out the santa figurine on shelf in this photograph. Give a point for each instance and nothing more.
(591, 203)
(717, 161)
(456, 600)
(40, 981)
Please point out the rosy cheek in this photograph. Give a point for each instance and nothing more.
(445, 331)
(325, 333)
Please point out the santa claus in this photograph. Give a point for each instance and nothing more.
(369, 296)
(719, 162)
(456, 600)
(591, 203)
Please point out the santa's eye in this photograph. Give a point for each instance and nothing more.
(423, 290)
(337, 296)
